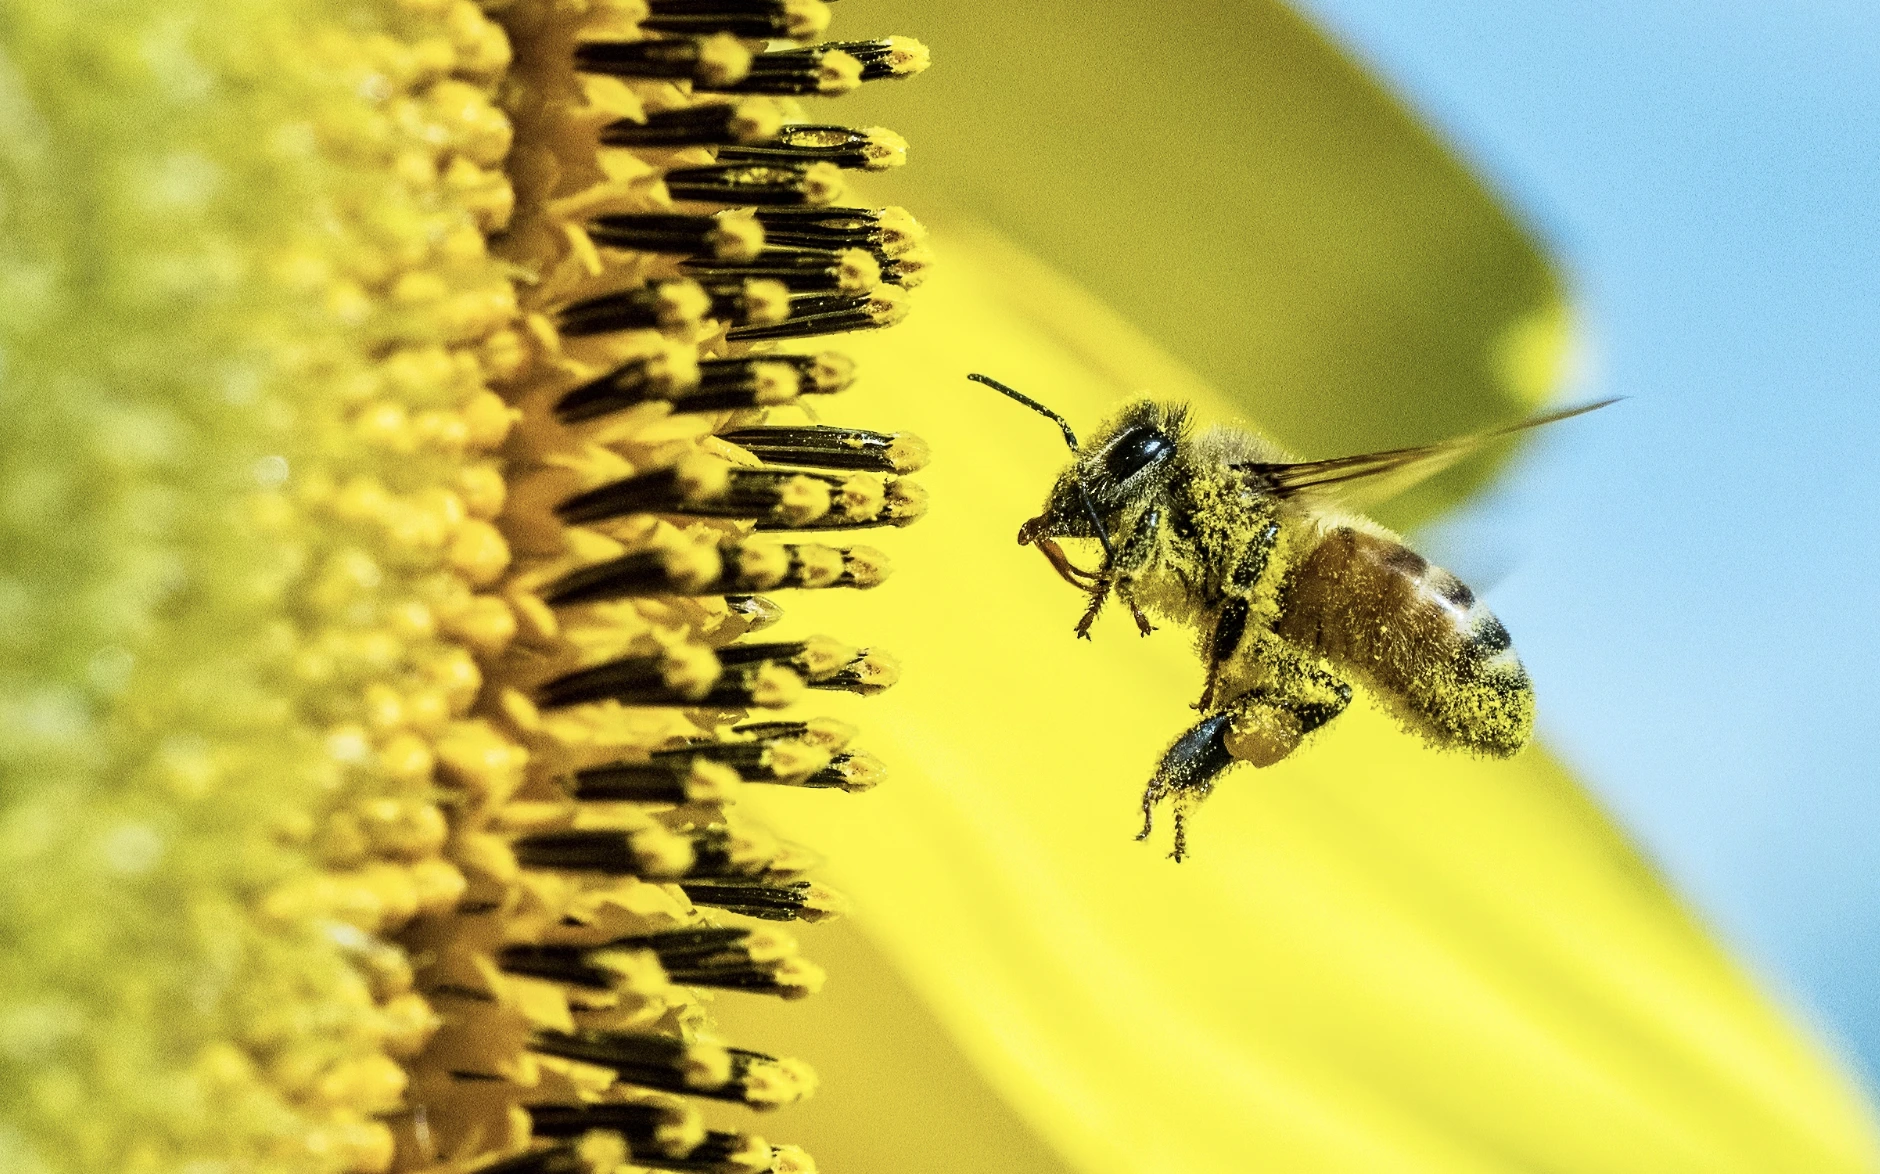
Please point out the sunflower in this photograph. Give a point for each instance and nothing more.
(422, 525)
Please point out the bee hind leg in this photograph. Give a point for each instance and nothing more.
(1267, 727)
(1187, 773)
(1254, 728)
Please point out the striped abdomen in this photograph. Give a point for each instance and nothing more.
(1415, 635)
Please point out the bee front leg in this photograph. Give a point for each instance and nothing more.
(1135, 552)
(1099, 592)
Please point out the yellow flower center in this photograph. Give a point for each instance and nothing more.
(377, 681)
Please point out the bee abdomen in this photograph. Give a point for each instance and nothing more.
(1416, 634)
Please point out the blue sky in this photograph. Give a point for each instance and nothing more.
(1694, 575)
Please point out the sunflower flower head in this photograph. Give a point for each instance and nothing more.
(391, 448)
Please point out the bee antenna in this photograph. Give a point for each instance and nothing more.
(1070, 438)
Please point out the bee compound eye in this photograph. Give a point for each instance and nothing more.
(1136, 450)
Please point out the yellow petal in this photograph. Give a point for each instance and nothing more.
(1378, 958)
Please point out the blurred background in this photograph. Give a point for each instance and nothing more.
(1690, 575)
(1686, 574)
(1708, 177)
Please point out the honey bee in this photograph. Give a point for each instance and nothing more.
(1295, 598)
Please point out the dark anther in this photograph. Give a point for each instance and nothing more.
(874, 149)
(869, 673)
(829, 734)
(821, 374)
(752, 760)
(707, 125)
(582, 851)
(680, 944)
(640, 681)
(751, 19)
(725, 237)
(659, 1136)
(884, 57)
(567, 964)
(890, 230)
(629, 680)
(755, 302)
(644, 572)
(773, 498)
(831, 447)
(834, 67)
(757, 183)
(645, 1059)
(754, 493)
(630, 782)
(815, 660)
(707, 61)
(722, 1150)
(763, 961)
(657, 305)
(905, 502)
(637, 1123)
(800, 270)
(763, 381)
(633, 382)
(819, 69)
(766, 902)
(659, 1061)
(735, 567)
(846, 772)
(831, 314)
(716, 855)
(660, 489)
(558, 1159)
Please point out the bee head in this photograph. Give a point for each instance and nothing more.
(1130, 455)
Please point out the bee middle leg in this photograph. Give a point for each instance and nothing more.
(1135, 551)
(1229, 627)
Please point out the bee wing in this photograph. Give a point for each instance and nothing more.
(1385, 474)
